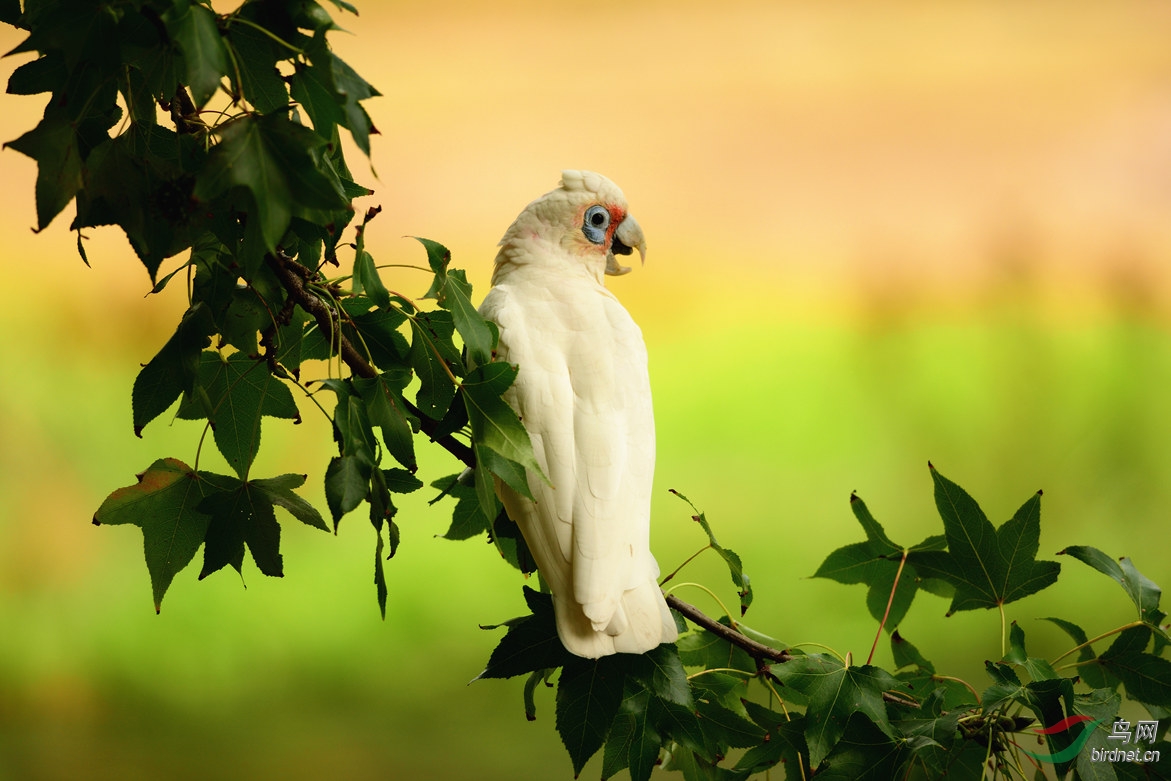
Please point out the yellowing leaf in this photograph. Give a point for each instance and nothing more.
(163, 503)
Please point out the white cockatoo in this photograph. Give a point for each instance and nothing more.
(583, 394)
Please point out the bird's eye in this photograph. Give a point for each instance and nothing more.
(597, 220)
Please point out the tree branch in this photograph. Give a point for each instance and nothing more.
(757, 651)
(294, 277)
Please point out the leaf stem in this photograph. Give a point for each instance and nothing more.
(1093, 640)
(233, 19)
(1003, 635)
(965, 684)
(720, 670)
(689, 559)
(890, 601)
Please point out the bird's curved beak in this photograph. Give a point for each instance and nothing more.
(627, 238)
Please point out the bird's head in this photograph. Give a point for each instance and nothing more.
(585, 220)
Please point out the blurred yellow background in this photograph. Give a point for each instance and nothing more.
(879, 234)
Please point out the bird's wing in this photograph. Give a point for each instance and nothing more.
(615, 461)
(542, 396)
(583, 394)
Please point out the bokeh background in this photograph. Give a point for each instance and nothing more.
(880, 233)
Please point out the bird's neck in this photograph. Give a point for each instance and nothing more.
(542, 258)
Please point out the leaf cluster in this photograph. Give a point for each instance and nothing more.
(726, 702)
(217, 136)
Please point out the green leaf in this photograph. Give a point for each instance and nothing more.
(279, 491)
(280, 164)
(632, 741)
(494, 423)
(1147, 677)
(347, 481)
(236, 394)
(724, 727)
(45, 74)
(906, 654)
(701, 648)
(661, 671)
(366, 278)
(1101, 705)
(735, 567)
(863, 753)
(432, 356)
(164, 503)
(53, 144)
(10, 12)
(387, 410)
(337, 80)
(531, 643)
(834, 691)
(467, 520)
(376, 333)
(589, 692)
(193, 27)
(478, 334)
(173, 371)
(876, 562)
(1143, 592)
(1038, 669)
(785, 742)
(256, 55)
(241, 515)
(1092, 674)
(988, 567)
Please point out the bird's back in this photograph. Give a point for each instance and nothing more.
(583, 394)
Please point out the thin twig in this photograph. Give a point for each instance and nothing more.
(758, 651)
(294, 277)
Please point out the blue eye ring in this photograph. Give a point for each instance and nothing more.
(595, 224)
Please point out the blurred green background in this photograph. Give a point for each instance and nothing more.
(879, 234)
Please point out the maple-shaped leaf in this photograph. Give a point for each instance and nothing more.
(589, 693)
(234, 394)
(657, 707)
(333, 92)
(834, 692)
(164, 503)
(242, 514)
(193, 28)
(280, 163)
(531, 643)
(53, 144)
(877, 563)
(173, 370)
(785, 741)
(988, 567)
(1143, 592)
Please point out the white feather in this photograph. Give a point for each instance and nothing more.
(583, 393)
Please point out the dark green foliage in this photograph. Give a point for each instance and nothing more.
(713, 707)
(246, 175)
